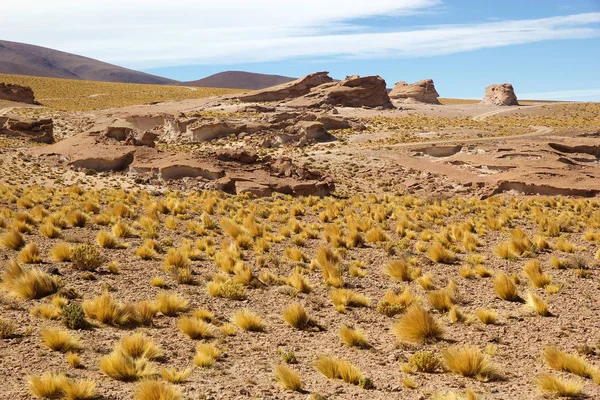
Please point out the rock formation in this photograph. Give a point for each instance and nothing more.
(33, 129)
(354, 91)
(500, 95)
(422, 91)
(289, 90)
(21, 94)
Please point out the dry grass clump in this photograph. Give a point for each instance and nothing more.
(334, 368)
(537, 277)
(441, 300)
(225, 287)
(571, 363)
(206, 355)
(505, 288)
(399, 270)
(353, 337)
(46, 311)
(106, 310)
(7, 329)
(299, 282)
(564, 245)
(556, 387)
(248, 321)
(58, 340)
(173, 375)
(156, 390)
(343, 298)
(438, 253)
(86, 257)
(107, 240)
(61, 252)
(31, 283)
(471, 362)
(376, 235)
(394, 304)
(30, 254)
(488, 317)
(538, 305)
(73, 359)
(122, 367)
(138, 345)
(329, 261)
(195, 328)
(287, 378)
(295, 314)
(12, 240)
(50, 231)
(53, 385)
(417, 326)
(170, 304)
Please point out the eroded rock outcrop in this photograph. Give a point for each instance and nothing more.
(289, 90)
(500, 95)
(354, 91)
(422, 91)
(18, 93)
(33, 129)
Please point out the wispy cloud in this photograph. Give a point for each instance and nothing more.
(581, 94)
(154, 33)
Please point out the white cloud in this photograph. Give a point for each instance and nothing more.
(154, 33)
(580, 94)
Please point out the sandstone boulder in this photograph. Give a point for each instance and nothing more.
(239, 155)
(35, 130)
(21, 94)
(354, 91)
(422, 91)
(203, 131)
(289, 90)
(500, 95)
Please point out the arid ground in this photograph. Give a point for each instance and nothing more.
(211, 249)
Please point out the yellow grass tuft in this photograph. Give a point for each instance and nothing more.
(106, 310)
(122, 367)
(12, 240)
(170, 304)
(107, 240)
(438, 253)
(488, 317)
(394, 304)
(399, 270)
(30, 254)
(287, 378)
(155, 390)
(61, 252)
(353, 337)
(334, 368)
(505, 288)
(138, 345)
(52, 385)
(248, 321)
(195, 328)
(538, 305)
(533, 271)
(46, 311)
(173, 375)
(441, 300)
(73, 359)
(562, 361)
(206, 355)
(30, 283)
(299, 282)
(58, 340)
(343, 298)
(556, 387)
(471, 362)
(417, 326)
(296, 316)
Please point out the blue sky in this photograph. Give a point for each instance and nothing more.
(547, 49)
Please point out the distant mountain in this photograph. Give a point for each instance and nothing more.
(26, 59)
(239, 80)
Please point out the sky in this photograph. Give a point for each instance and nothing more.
(548, 49)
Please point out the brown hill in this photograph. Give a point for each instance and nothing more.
(240, 80)
(26, 59)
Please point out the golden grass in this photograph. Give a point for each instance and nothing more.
(343, 298)
(440, 300)
(58, 340)
(173, 375)
(12, 240)
(505, 288)
(206, 355)
(394, 304)
(195, 328)
(137, 345)
(30, 254)
(556, 387)
(155, 390)
(287, 378)
(424, 361)
(79, 95)
(571, 363)
(295, 314)
(538, 304)
(537, 277)
(417, 326)
(469, 361)
(61, 252)
(122, 367)
(334, 368)
(46, 311)
(488, 317)
(106, 310)
(170, 304)
(73, 359)
(299, 282)
(353, 337)
(438, 253)
(28, 283)
(398, 270)
(107, 240)
(246, 320)
(52, 385)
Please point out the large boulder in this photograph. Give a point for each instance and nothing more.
(354, 91)
(500, 95)
(422, 91)
(289, 90)
(21, 94)
(33, 129)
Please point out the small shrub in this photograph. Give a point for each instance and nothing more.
(424, 361)
(86, 257)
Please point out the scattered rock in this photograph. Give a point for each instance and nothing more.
(20, 94)
(500, 95)
(422, 92)
(354, 91)
(33, 129)
(289, 90)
